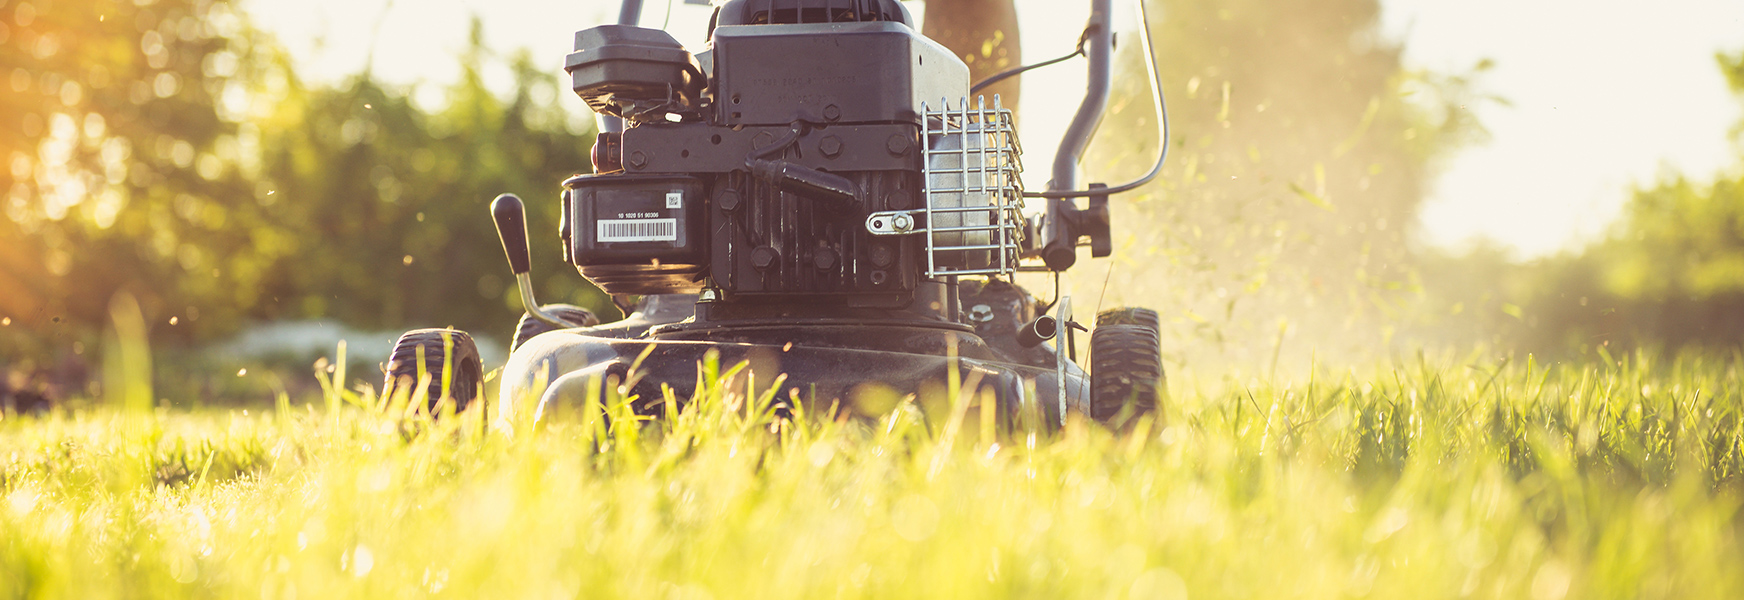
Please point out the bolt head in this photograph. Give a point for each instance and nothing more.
(882, 255)
(897, 144)
(824, 259)
(763, 257)
(902, 222)
(638, 159)
(832, 112)
(830, 146)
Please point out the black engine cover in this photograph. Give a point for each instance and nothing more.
(637, 234)
(836, 72)
(767, 242)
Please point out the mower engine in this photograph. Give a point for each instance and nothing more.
(827, 156)
(815, 195)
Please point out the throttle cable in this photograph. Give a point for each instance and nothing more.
(1162, 112)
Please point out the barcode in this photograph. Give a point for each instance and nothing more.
(638, 230)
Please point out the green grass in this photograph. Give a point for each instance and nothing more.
(1433, 479)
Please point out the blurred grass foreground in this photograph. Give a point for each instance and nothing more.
(171, 150)
(1449, 478)
(170, 183)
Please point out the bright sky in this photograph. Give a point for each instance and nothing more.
(1604, 94)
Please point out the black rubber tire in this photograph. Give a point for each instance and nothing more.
(530, 326)
(1129, 315)
(1126, 371)
(464, 384)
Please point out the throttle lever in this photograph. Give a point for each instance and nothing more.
(510, 216)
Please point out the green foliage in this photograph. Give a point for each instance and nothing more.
(1669, 274)
(389, 204)
(121, 158)
(1679, 239)
(1302, 150)
(168, 150)
(1616, 478)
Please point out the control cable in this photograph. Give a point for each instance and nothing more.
(1162, 111)
(1013, 72)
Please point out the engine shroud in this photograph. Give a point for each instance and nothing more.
(835, 72)
(841, 102)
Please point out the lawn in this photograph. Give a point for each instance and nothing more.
(1447, 477)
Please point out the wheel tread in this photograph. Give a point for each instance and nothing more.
(1126, 369)
(530, 326)
(468, 369)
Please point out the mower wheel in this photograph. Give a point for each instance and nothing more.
(1130, 316)
(464, 377)
(1126, 370)
(531, 326)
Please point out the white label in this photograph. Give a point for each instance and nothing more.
(638, 230)
(675, 199)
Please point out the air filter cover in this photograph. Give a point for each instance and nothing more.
(630, 72)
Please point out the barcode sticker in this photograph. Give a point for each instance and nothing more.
(675, 199)
(638, 230)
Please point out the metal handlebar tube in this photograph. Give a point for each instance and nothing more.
(1058, 243)
(1098, 50)
(630, 13)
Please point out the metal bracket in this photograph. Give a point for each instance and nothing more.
(972, 214)
(895, 222)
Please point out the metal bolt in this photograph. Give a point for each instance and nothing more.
(897, 144)
(832, 112)
(831, 146)
(882, 255)
(902, 223)
(763, 257)
(824, 259)
(729, 199)
(638, 159)
(980, 313)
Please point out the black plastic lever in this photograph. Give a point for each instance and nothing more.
(511, 218)
(835, 190)
(1064, 225)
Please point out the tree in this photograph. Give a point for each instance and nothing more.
(390, 203)
(1669, 274)
(166, 149)
(984, 34)
(1301, 151)
(123, 171)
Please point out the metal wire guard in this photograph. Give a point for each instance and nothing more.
(974, 195)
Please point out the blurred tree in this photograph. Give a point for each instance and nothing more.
(1301, 152)
(168, 149)
(984, 34)
(1669, 274)
(390, 203)
(1672, 271)
(123, 168)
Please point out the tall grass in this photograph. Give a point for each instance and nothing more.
(1434, 479)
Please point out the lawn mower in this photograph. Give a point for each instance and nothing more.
(820, 194)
